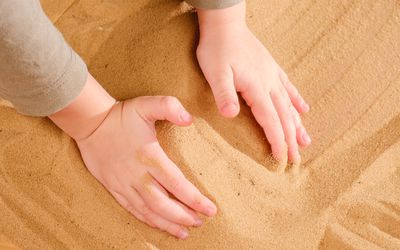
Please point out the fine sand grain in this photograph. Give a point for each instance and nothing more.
(344, 56)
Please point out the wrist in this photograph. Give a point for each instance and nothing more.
(222, 19)
(86, 112)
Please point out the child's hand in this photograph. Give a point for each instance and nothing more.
(233, 59)
(124, 155)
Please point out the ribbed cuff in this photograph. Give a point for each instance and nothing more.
(213, 4)
(66, 88)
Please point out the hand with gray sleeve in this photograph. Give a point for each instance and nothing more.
(41, 75)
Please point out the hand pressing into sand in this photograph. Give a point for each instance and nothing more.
(234, 60)
(119, 147)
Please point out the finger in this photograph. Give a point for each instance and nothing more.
(157, 199)
(168, 226)
(151, 217)
(194, 215)
(298, 126)
(265, 114)
(130, 208)
(282, 106)
(172, 179)
(169, 108)
(223, 88)
(302, 136)
(199, 222)
(295, 97)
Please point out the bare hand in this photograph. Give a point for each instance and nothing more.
(234, 60)
(125, 156)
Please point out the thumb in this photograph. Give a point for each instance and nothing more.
(168, 108)
(225, 93)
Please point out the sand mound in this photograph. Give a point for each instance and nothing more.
(344, 57)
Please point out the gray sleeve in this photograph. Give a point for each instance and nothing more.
(213, 4)
(39, 72)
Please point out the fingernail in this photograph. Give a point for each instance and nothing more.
(211, 210)
(306, 138)
(198, 223)
(183, 234)
(186, 117)
(229, 109)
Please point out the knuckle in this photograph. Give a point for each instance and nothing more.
(175, 183)
(169, 101)
(196, 201)
(129, 207)
(286, 82)
(172, 229)
(275, 93)
(297, 96)
(277, 139)
(284, 76)
(275, 121)
(292, 128)
(169, 228)
(221, 76)
(293, 146)
(270, 123)
(282, 90)
(224, 96)
(296, 118)
(279, 144)
(183, 218)
(160, 205)
(294, 92)
(291, 138)
(144, 210)
(289, 126)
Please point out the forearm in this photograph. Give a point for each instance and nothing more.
(39, 74)
(86, 112)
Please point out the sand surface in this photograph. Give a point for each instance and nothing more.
(343, 55)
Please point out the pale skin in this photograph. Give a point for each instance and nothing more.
(118, 142)
(234, 60)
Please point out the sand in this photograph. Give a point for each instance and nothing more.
(344, 56)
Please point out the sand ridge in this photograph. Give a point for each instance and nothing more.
(344, 57)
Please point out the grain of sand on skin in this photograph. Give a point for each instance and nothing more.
(342, 55)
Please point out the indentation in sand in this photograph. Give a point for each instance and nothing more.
(343, 56)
